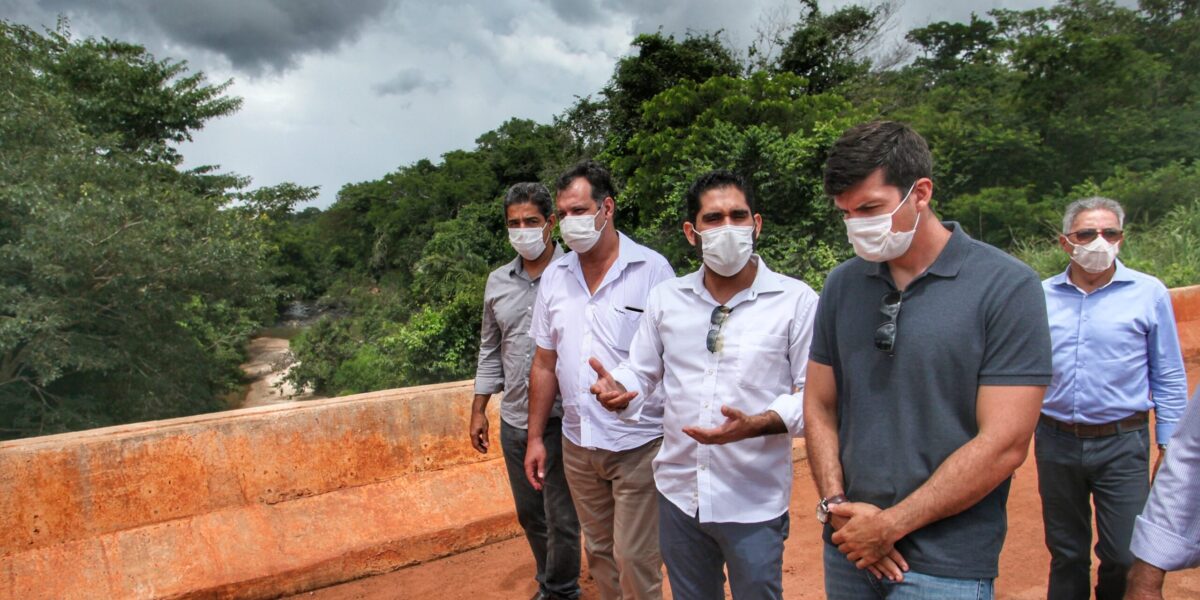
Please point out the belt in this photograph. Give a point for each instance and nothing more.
(1134, 422)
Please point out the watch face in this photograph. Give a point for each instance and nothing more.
(822, 512)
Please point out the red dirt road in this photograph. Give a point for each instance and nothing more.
(504, 571)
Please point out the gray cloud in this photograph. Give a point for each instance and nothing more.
(254, 35)
(408, 81)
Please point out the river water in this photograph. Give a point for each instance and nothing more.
(268, 361)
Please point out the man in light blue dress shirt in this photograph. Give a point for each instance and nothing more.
(1167, 534)
(1116, 357)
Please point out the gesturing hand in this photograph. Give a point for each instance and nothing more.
(611, 394)
(737, 426)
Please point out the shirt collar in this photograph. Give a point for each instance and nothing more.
(765, 282)
(628, 252)
(516, 268)
(947, 263)
(1123, 274)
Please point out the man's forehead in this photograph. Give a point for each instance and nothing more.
(1101, 216)
(725, 198)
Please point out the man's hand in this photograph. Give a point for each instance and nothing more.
(611, 394)
(535, 463)
(478, 430)
(867, 536)
(891, 566)
(1145, 582)
(1162, 455)
(737, 426)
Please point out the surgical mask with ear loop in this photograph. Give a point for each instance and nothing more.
(580, 233)
(1095, 256)
(873, 238)
(727, 249)
(529, 242)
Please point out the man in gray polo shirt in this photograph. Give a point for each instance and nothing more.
(505, 353)
(929, 358)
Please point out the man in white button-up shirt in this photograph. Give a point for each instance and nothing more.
(728, 345)
(589, 304)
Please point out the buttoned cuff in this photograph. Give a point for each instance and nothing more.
(1163, 432)
(790, 408)
(1163, 548)
(631, 414)
(487, 385)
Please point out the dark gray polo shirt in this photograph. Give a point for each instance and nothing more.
(976, 317)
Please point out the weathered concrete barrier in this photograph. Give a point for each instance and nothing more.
(251, 503)
(273, 500)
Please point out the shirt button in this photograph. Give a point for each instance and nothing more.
(708, 372)
(702, 467)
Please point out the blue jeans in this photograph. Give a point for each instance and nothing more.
(548, 517)
(844, 581)
(696, 555)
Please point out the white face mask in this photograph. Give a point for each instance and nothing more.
(580, 233)
(1095, 256)
(873, 238)
(728, 248)
(528, 241)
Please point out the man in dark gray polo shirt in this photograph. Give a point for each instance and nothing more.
(505, 354)
(929, 358)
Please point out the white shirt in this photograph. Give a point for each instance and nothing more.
(761, 367)
(579, 325)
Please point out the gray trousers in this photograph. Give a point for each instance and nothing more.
(548, 517)
(1113, 472)
(696, 555)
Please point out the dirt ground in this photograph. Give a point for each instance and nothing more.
(504, 570)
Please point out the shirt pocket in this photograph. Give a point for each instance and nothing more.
(619, 326)
(763, 362)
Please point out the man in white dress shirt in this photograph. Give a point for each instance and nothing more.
(728, 345)
(589, 304)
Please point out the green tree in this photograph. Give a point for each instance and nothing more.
(125, 294)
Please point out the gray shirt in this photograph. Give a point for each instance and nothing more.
(976, 317)
(505, 348)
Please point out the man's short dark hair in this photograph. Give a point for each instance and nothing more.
(532, 192)
(894, 147)
(715, 179)
(596, 175)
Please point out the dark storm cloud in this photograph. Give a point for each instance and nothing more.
(255, 35)
(406, 82)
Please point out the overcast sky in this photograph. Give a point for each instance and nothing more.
(337, 92)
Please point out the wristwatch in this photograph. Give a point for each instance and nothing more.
(825, 503)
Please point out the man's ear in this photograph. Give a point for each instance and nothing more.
(923, 190)
(689, 232)
(757, 225)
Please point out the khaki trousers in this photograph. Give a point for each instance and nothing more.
(617, 505)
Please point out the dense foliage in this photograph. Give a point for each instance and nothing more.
(129, 285)
(1024, 110)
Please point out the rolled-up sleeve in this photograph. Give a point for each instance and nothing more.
(790, 407)
(539, 328)
(1168, 379)
(1167, 533)
(489, 370)
(642, 372)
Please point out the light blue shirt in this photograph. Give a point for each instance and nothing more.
(1167, 533)
(1116, 352)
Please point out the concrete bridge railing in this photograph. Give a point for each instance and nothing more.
(251, 503)
(268, 501)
